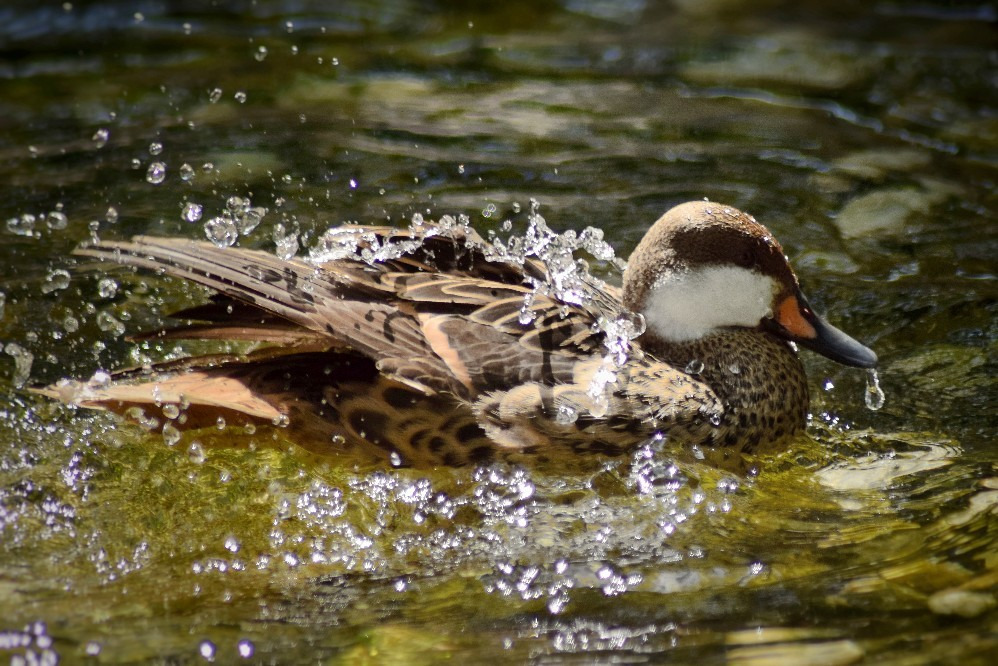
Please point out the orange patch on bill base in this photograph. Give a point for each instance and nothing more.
(789, 317)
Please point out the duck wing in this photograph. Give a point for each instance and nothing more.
(433, 312)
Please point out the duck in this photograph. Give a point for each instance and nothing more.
(427, 347)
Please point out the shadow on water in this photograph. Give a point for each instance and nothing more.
(864, 136)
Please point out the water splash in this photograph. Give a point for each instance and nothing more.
(874, 395)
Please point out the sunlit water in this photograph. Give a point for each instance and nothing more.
(861, 137)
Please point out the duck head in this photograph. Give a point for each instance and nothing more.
(704, 267)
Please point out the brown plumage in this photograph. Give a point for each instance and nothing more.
(419, 354)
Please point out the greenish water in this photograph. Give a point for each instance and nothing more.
(865, 135)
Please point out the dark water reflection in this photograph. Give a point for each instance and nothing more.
(864, 135)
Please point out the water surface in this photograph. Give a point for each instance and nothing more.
(865, 135)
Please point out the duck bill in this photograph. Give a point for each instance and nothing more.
(796, 321)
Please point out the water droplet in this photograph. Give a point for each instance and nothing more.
(92, 648)
(214, 95)
(287, 244)
(56, 280)
(101, 136)
(107, 287)
(827, 384)
(735, 369)
(170, 433)
(566, 415)
(192, 212)
(23, 225)
(187, 27)
(3, 302)
(155, 148)
(694, 367)
(874, 395)
(56, 220)
(207, 650)
(22, 363)
(221, 231)
(395, 459)
(156, 173)
(261, 53)
(186, 172)
(109, 324)
(111, 215)
(240, 97)
(70, 324)
(232, 544)
(195, 452)
(245, 648)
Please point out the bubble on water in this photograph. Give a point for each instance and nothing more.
(56, 280)
(214, 95)
(261, 53)
(101, 137)
(187, 28)
(221, 231)
(70, 324)
(827, 384)
(23, 225)
(22, 363)
(109, 324)
(156, 173)
(240, 97)
(136, 163)
(155, 148)
(694, 367)
(107, 287)
(245, 648)
(92, 649)
(186, 172)
(395, 459)
(171, 410)
(192, 212)
(56, 220)
(874, 395)
(232, 544)
(207, 650)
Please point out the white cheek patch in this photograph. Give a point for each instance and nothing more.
(692, 304)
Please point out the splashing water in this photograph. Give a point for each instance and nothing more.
(874, 395)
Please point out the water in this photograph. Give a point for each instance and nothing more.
(861, 137)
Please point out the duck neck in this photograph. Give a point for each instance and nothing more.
(758, 378)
